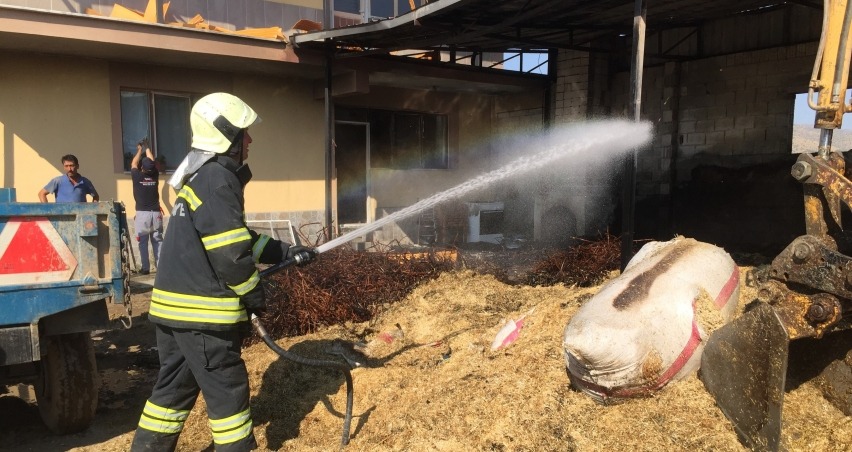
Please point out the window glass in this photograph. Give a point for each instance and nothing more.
(435, 141)
(406, 141)
(134, 123)
(403, 140)
(382, 8)
(403, 6)
(171, 115)
(161, 117)
(348, 6)
(381, 142)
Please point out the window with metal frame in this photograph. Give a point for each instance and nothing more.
(376, 9)
(161, 117)
(408, 140)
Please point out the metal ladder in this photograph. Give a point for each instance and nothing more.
(427, 228)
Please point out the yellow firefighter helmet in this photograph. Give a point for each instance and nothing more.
(216, 120)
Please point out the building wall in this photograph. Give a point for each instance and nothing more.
(576, 199)
(570, 100)
(732, 107)
(731, 111)
(58, 105)
(726, 152)
(476, 125)
(713, 116)
(54, 106)
(516, 118)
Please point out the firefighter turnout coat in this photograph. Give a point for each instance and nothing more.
(206, 276)
(206, 281)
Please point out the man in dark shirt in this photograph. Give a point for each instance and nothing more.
(149, 216)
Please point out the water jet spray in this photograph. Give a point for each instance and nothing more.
(614, 136)
(611, 136)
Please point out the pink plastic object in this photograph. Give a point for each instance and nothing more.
(508, 334)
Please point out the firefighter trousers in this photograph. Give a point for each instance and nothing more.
(193, 361)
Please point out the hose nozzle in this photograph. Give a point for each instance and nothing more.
(302, 257)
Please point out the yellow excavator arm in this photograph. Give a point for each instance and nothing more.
(828, 83)
(831, 68)
(807, 289)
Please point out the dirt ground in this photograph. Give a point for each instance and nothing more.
(127, 362)
(432, 383)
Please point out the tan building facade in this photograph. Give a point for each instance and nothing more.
(71, 98)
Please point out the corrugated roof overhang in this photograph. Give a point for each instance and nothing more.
(498, 26)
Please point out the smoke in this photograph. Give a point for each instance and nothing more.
(566, 158)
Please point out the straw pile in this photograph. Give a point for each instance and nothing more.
(437, 386)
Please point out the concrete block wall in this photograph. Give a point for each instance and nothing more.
(661, 102)
(523, 118)
(737, 110)
(518, 207)
(732, 111)
(571, 94)
(580, 195)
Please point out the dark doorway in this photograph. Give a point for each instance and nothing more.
(350, 162)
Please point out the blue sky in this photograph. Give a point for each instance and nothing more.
(803, 114)
(531, 60)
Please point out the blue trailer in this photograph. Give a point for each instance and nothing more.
(60, 263)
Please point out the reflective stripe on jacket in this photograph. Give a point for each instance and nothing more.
(206, 275)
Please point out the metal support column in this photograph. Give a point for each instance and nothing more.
(629, 188)
(328, 24)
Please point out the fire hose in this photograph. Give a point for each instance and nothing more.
(345, 368)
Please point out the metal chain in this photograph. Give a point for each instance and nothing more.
(125, 276)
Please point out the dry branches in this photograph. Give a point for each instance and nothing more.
(585, 264)
(344, 285)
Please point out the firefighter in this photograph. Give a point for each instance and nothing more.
(207, 284)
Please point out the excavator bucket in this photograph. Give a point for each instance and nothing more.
(744, 367)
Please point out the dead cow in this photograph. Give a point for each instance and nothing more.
(648, 326)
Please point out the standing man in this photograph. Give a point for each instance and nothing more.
(70, 187)
(207, 285)
(149, 216)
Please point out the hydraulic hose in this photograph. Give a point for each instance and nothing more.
(345, 368)
(838, 92)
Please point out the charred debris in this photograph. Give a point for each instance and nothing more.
(345, 285)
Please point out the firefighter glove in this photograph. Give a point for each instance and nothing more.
(256, 311)
(301, 254)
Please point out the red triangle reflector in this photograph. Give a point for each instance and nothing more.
(31, 251)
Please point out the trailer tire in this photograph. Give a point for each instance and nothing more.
(67, 387)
